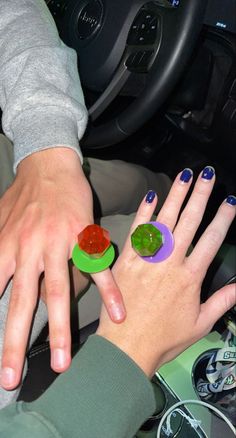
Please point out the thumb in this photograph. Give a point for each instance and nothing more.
(216, 306)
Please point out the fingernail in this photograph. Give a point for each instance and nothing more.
(208, 173)
(117, 312)
(186, 175)
(231, 200)
(150, 196)
(58, 358)
(8, 376)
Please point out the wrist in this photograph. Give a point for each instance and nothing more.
(137, 350)
(50, 162)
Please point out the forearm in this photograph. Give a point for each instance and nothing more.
(104, 394)
(40, 92)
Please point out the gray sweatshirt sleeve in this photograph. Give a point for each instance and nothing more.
(40, 92)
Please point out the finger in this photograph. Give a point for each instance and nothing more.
(212, 238)
(58, 304)
(78, 282)
(192, 214)
(7, 265)
(19, 319)
(111, 295)
(215, 307)
(144, 214)
(169, 213)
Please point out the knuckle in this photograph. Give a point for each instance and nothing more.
(190, 277)
(54, 289)
(51, 228)
(201, 190)
(17, 301)
(52, 231)
(190, 219)
(20, 299)
(17, 291)
(214, 237)
(59, 338)
(25, 237)
(10, 354)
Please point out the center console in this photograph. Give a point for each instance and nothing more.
(173, 383)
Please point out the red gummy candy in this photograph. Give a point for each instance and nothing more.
(94, 240)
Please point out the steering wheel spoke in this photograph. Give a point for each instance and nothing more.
(113, 89)
(142, 46)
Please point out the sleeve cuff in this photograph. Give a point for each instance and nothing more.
(48, 131)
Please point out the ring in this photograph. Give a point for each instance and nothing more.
(152, 241)
(94, 251)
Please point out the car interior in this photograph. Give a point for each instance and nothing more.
(159, 79)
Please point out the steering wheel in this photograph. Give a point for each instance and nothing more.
(120, 41)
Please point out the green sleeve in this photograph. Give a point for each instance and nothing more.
(104, 394)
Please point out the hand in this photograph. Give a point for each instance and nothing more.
(43, 211)
(164, 311)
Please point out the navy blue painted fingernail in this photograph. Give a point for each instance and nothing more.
(208, 173)
(186, 175)
(150, 196)
(231, 200)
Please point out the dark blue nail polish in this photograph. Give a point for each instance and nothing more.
(208, 173)
(150, 196)
(186, 175)
(231, 200)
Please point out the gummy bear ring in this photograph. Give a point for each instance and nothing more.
(152, 241)
(94, 251)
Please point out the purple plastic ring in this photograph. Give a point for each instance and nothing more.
(166, 249)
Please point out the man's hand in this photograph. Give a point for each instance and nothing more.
(41, 214)
(164, 311)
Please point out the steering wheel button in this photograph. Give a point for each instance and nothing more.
(147, 38)
(138, 62)
(133, 61)
(144, 28)
(145, 61)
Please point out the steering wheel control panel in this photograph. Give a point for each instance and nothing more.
(143, 40)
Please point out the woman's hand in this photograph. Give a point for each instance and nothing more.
(41, 214)
(164, 311)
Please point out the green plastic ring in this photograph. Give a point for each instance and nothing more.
(86, 264)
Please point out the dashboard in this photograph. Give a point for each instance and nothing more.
(221, 14)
